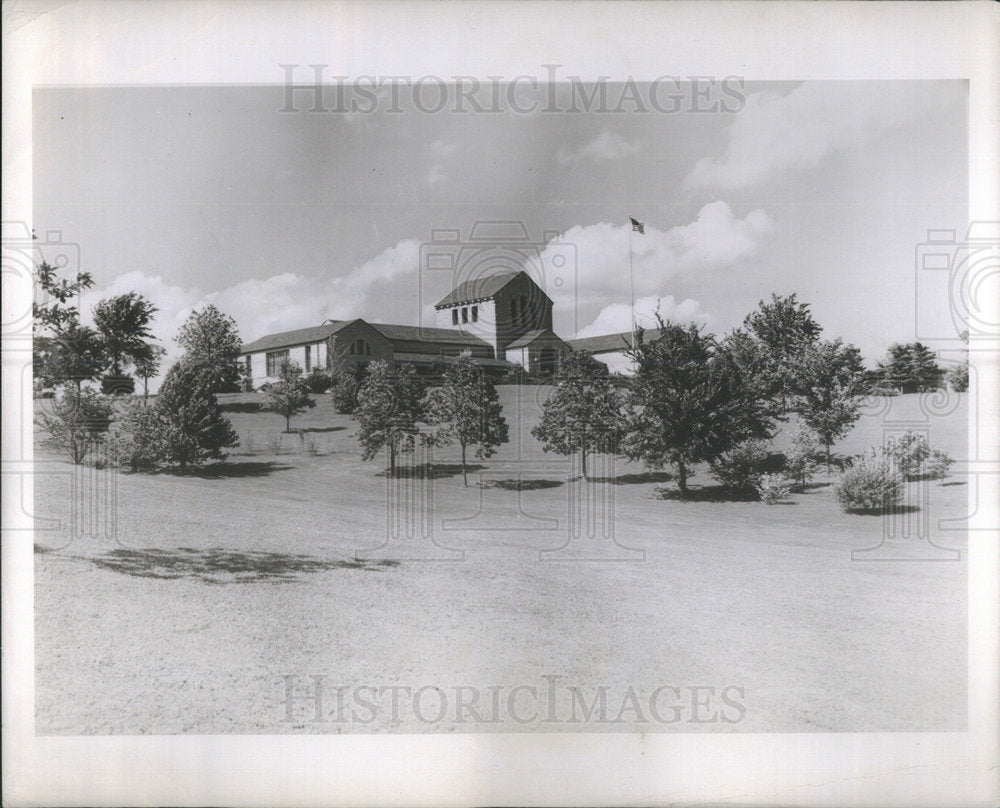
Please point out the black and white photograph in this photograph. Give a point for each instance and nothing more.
(353, 405)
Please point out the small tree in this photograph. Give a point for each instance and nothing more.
(190, 423)
(585, 411)
(828, 381)
(289, 395)
(389, 407)
(466, 409)
(909, 451)
(958, 376)
(870, 484)
(78, 422)
(147, 365)
(211, 340)
(123, 322)
(799, 464)
(693, 401)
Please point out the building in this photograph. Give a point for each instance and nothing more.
(504, 320)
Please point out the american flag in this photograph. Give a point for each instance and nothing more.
(637, 226)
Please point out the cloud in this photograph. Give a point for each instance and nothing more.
(617, 317)
(435, 175)
(599, 254)
(774, 133)
(607, 146)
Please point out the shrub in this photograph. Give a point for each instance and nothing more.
(909, 451)
(77, 422)
(958, 377)
(772, 488)
(936, 466)
(319, 382)
(871, 483)
(739, 470)
(799, 463)
(138, 443)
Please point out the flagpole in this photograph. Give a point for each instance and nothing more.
(631, 283)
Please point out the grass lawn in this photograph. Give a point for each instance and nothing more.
(196, 603)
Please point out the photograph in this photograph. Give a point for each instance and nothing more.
(370, 406)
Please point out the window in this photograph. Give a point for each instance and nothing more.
(274, 360)
(465, 315)
(308, 358)
(454, 316)
(475, 314)
(360, 347)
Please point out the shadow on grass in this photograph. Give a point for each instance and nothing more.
(895, 510)
(320, 429)
(708, 493)
(636, 479)
(430, 471)
(521, 485)
(218, 566)
(810, 488)
(957, 482)
(226, 470)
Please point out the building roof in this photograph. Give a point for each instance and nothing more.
(300, 336)
(476, 289)
(606, 343)
(417, 333)
(531, 336)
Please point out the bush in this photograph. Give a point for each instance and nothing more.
(77, 423)
(799, 463)
(319, 382)
(138, 444)
(772, 488)
(936, 466)
(740, 469)
(873, 482)
(909, 451)
(958, 377)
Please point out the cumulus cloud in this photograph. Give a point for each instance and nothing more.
(598, 259)
(617, 317)
(799, 130)
(607, 146)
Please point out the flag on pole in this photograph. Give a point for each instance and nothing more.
(637, 226)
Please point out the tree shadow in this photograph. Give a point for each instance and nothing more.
(957, 482)
(894, 510)
(226, 470)
(521, 485)
(430, 471)
(810, 488)
(320, 429)
(219, 566)
(636, 479)
(704, 493)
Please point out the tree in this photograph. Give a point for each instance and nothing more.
(64, 351)
(389, 407)
(72, 356)
(466, 409)
(211, 340)
(828, 381)
(123, 322)
(78, 422)
(584, 413)
(147, 365)
(346, 379)
(911, 368)
(289, 395)
(958, 376)
(693, 402)
(190, 426)
(783, 328)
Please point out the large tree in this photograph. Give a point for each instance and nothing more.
(828, 380)
(289, 395)
(123, 322)
(693, 401)
(211, 340)
(911, 368)
(782, 328)
(389, 408)
(466, 409)
(584, 413)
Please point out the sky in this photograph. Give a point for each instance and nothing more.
(282, 219)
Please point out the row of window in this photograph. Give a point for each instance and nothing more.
(360, 347)
(469, 314)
